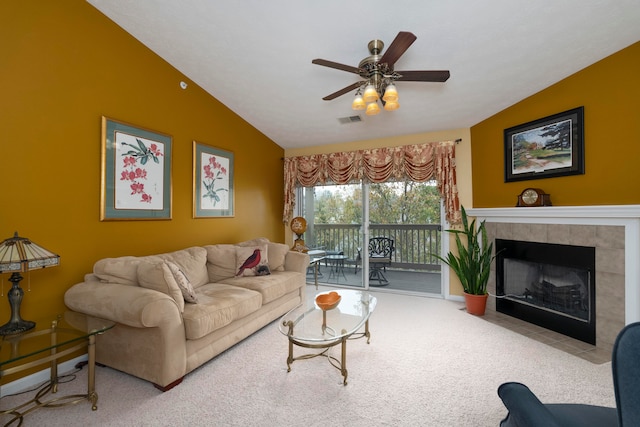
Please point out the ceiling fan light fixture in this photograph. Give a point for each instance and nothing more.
(358, 103)
(391, 105)
(372, 109)
(370, 94)
(378, 73)
(390, 93)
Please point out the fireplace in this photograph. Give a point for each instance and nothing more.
(613, 230)
(550, 285)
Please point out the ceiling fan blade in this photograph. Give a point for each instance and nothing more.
(342, 91)
(424, 76)
(398, 46)
(336, 65)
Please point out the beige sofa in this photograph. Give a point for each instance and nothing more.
(159, 336)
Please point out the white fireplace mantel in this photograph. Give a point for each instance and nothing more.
(580, 213)
(627, 216)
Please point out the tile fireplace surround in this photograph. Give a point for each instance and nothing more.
(613, 230)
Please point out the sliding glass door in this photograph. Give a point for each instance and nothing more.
(335, 220)
(342, 221)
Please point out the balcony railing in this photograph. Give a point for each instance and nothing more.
(415, 244)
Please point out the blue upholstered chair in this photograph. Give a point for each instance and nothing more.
(525, 410)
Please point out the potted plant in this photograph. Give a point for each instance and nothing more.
(472, 263)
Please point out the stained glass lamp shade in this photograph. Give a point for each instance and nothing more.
(18, 255)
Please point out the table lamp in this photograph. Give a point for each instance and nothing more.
(17, 255)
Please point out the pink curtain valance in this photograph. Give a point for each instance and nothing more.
(420, 163)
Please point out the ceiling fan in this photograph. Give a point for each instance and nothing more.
(378, 73)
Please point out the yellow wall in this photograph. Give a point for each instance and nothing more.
(63, 65)
(610, 93)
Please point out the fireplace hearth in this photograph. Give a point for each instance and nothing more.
(550, 285)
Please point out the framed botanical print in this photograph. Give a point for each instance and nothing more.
(136, 173)
(213, 194)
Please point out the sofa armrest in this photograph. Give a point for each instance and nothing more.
(296, 261)
(525, 409)
(129, 305)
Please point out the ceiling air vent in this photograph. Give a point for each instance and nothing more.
(350, 119)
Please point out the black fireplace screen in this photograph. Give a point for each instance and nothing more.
(550, 285)
(561, 289)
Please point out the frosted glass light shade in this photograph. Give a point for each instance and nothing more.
(358, 103)
(390, 93)
(391, 105)
(370, 94)
(372, 109)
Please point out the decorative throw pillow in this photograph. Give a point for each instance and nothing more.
(193, 262)
(252, 261)
(183, 283)
(157, 276)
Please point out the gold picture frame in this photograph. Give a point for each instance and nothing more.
(213, 192)
(135, 173)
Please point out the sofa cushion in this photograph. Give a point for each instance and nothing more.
(218, 305)
(221, 261)
(254, 242)
(123, 270)
(193, 262)
(277, 254)
(270, 287)
(183, 283)
(252, 260)
(156, 275)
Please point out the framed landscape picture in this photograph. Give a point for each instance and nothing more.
(545, 148)
(212, 182)
(136, 173)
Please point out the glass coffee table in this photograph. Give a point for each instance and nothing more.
(309, 326)
(50, 340)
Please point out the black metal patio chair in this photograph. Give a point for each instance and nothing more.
(380, 252)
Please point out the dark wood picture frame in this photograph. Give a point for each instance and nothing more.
(545, 148)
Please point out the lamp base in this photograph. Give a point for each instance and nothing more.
(12, 328)
(16, 325)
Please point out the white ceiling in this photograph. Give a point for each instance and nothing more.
(255, 55)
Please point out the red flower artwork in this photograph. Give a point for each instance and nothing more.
(213, 172)
(137, 173)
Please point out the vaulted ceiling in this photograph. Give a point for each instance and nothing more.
(255, 56)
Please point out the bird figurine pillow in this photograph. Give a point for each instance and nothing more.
(252, 261)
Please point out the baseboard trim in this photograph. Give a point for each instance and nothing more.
(40, 377)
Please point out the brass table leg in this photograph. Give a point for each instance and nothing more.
(343, 360)
(315, 273)
(290, 357)
(91, 373)
(54, 361)
(366, 331)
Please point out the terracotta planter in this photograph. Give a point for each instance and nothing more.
(476, 304)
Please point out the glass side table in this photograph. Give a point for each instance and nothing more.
(48, 342)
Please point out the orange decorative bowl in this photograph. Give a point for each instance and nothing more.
(328, 301)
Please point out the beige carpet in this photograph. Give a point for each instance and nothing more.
(429, 364)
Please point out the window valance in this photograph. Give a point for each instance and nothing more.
(420, 163)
